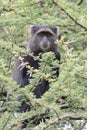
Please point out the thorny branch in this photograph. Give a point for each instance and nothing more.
(79, 2)
(6, 122)
(81, 76)
(70, 16)
(67, 116)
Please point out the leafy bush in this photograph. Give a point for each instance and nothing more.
(66, 99)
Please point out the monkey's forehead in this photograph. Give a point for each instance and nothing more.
(44, 28)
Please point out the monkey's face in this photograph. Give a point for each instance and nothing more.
(43, 38)
(45, 41)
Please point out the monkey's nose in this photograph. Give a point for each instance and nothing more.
(45, 45)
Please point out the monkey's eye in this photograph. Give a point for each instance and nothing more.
(48, 34)
(42, 34)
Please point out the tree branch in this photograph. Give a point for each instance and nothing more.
(70, 16)
(67, 116)
(74, 116)
(79, 2)
(81, 76)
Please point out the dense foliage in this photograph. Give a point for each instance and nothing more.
(66, 100)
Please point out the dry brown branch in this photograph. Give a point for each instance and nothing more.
(7, 9)
(64, 106)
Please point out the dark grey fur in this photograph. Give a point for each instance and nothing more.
(43, 39)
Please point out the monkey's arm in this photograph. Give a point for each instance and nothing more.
(20, 74)
(17, 74)
(57, 55)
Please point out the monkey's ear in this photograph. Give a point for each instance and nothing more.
(55, 30)
(58, 33)
(33, 29)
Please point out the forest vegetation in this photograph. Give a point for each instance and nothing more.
(66, 101)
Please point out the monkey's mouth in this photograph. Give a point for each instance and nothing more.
(45, 46)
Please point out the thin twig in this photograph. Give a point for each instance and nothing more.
(81, 76)
(79, 2)
(67, 116)
(70, 16)
(4, 126)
